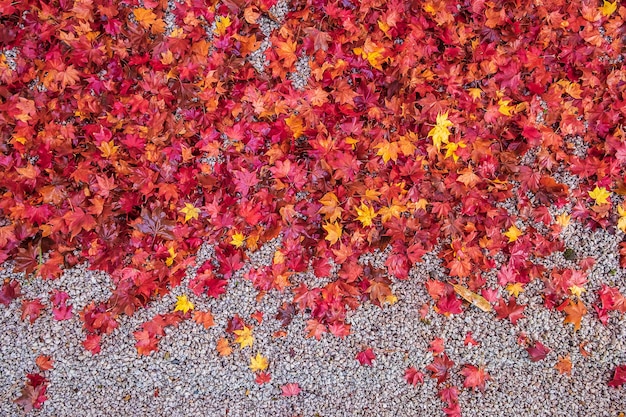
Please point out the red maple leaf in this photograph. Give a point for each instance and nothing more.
(537, 351)
(512, 310)
(31, 309)
(366, 357)
(475, 377)
(440, 367)
(619, 377)
(34, 393)
(262, 378)
(449, 304)
(9, 291)
(92, 343)
(413, 376)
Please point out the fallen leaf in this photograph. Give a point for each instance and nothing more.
(290, 390)
(258, 363)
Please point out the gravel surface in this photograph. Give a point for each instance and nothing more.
(187, 377)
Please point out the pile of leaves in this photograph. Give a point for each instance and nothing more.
(134, 131)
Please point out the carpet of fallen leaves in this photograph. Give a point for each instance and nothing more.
(133, 131)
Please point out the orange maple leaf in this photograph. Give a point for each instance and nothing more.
(575, 312)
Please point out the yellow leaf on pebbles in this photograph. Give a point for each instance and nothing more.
(258, 363)
(244, 337)
(183, 304)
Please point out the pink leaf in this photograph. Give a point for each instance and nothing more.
(291, 390)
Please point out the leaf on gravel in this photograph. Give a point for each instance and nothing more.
(31, 309)
(10, 291)
(183, 304)
(475, 377)
(258, 363)
(34, 393)
(44, 362)
(619, 377)
(291, 390)
(473, 298)
(244, 337)
(204, 318)
(440, 367)
(366, 357)
(512, 310)
(537, 351)
(413, 376)
(575, 312)
(223, 347)
(564, 365)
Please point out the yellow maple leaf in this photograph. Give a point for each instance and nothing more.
(391, 299)
(108, 149)
(608, 8)
(333, 232)
(365, 214)
(451, 148)
(170, 259)
(513, 233)
(244, 337)
(183, 304)
(563, 219)
(144, 17)
(475, 93)
(372, 52)
(221, 24)
(258, 363)
(621, 222)
(515, 289)
(393, 210)
(440, 132)
(388, 150)
(576, 290)
(600, 195)
(504, 107)
(190, 212)
(238, 239)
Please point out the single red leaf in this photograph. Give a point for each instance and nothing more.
(366, 357)
(537, 351)
(440, 367)
(262, 378)
(31, 309)
(436, 346)
(512, 310)
(619, 377)
(475, 377)
(9, 291)
(92, 343)
(413, 376)
(449, 304)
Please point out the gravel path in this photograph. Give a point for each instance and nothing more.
(187, 377)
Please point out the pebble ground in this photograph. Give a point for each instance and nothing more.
(193, 380)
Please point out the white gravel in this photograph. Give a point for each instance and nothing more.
(193, 380)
